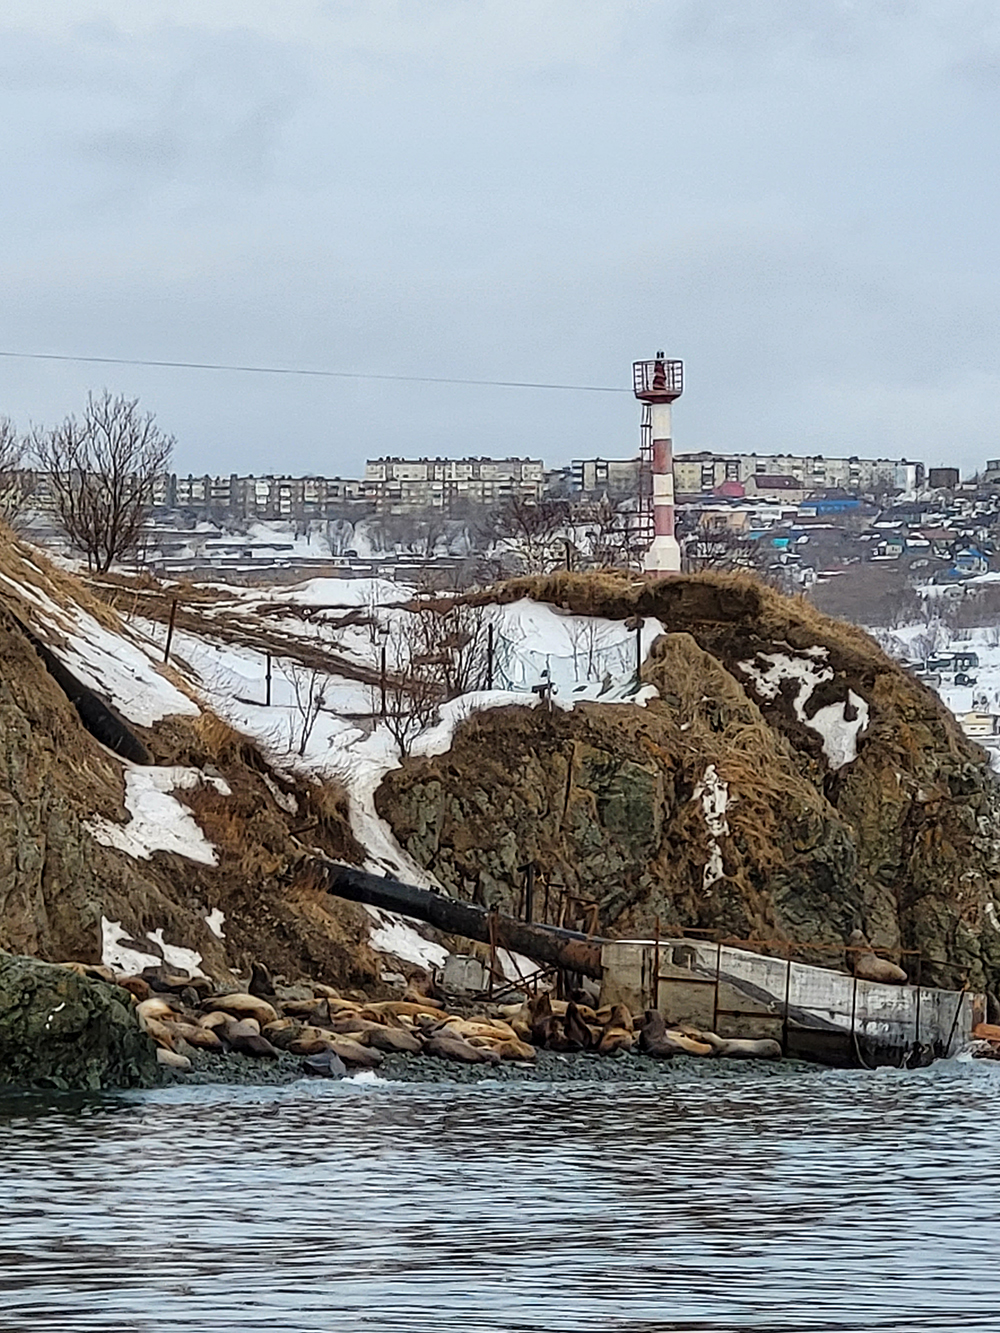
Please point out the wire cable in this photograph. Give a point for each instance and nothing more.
(300, 370)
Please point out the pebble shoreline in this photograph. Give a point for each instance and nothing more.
(549, 1067)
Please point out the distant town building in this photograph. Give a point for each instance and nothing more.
(258, 497)
(397, 485)
(702, 473)
(946, 478)
(604, 476)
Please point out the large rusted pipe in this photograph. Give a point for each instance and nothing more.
(544, 944)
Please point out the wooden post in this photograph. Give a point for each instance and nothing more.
(489, 655)
(267, 682)
(529, 891)
(638, 650)
(170, 630)
(382, 679)
(569, 554)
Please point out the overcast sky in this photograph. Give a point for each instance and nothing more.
(797, 197)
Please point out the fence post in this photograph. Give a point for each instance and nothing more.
(489, 655)
(170, 630)
(382, 678)
(267, 682)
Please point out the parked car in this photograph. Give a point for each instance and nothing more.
(962, 679)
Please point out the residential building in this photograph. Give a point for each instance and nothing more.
(397, 485)
(702, 473)
(611, 476)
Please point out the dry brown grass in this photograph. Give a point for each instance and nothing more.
(26, 564)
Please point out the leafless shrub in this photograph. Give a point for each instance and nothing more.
(407, 697)
(533, 531)
(308, 697)
(455, 643)
(102, 469)
(16, 479)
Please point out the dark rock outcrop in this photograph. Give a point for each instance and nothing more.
(742, 799)
(65, 1031)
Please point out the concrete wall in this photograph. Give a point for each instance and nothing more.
(830, 1015)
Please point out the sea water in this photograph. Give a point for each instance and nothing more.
(841, 1201)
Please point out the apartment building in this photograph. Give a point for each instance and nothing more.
(701, 473)
(397, 485)
(267, 497)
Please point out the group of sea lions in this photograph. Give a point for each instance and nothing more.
(333, 1033)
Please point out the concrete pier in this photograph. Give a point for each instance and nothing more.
(816, 1013)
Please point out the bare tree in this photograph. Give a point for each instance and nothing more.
(407, 698)
(308, 697)
(454, 642)
(533, 530)
(16, 480)
(102, 469)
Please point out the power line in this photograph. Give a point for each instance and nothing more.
(299, 370)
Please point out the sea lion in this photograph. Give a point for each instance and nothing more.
(298, 1046)
(282, 1037)
(173, 1060)
(214, 1019)
(577, 1034)
(204, 1038)
(394, 1040)
(513, 1049)
(242, 1005)
(162, 1033)
(456, 1048)
(136, 987)
(325, 992)
(324, 1064)
(156, 1008)
(95, 971)
(398, 1007)
(737, 1048)
(869, 966)
(352, 1052)
(260, 984)
(244, 1037)
(306, 1008)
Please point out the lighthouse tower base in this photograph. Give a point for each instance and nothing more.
(663, 556)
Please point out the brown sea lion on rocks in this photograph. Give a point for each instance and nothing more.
(241, 1005)
(136, 987)
(743, 1048)
(260, 983)
(306, 1008)
(173, 1060)
(869, 966)
(245, 1038)
(156, 1007)
(204, 1039)
(577, 1033)
(394, 1040)
(162, 1033)
(457, 1048)
(352, 1052)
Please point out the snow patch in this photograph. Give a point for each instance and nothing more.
(396, 935)
(159, 823)
(214, 922)
(117, 950)
(175, 955)
(838, 732)
(713, 792)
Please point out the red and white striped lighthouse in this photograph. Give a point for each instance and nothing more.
(658, 383)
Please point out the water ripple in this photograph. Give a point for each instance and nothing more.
(836, 1201)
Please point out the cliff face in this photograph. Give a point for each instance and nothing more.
(58, 881)
(789, 781)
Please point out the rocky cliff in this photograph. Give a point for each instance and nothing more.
(59, 882)
(787, 781)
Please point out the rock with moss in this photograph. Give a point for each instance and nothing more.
(66, 1032)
